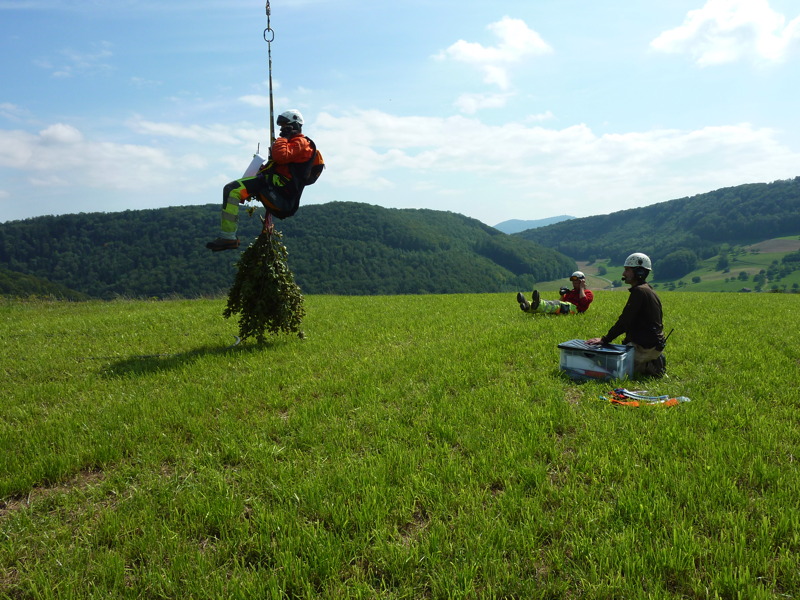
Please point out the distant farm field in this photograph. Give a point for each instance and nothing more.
(755, 267)
(407, 447)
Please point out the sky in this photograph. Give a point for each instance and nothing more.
(510, 109)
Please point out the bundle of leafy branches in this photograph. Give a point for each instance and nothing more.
(264, 293)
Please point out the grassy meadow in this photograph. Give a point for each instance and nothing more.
(406, 447)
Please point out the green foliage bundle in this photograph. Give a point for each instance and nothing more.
(264, 293)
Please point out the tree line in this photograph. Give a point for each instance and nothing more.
(335, 248)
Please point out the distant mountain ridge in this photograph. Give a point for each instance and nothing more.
(517, 225)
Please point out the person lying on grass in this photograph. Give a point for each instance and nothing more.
(573, 301)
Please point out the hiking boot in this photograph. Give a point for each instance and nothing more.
(656, 367)
(523, 304)
(222, 244)
(535, 303)
(661, 366)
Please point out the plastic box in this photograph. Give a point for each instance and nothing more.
(580, 360)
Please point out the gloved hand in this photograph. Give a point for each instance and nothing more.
(288, 131)
(563, 290)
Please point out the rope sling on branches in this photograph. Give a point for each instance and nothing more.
(264, 293)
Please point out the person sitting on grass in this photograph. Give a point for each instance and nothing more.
(573, 301)
(641, 320)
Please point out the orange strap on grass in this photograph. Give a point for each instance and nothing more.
(637, 404)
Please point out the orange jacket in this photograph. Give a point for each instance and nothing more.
(293, 150)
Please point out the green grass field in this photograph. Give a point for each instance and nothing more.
(408, 447)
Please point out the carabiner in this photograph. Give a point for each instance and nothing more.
(272, 39)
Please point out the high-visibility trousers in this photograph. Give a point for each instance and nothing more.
(555, 307)
(266, 189)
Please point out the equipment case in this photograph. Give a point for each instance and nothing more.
(581, 361)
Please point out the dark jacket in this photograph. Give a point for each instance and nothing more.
(641, 319)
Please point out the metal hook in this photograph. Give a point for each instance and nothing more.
(272, 39)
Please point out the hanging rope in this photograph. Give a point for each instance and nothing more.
(269, 37)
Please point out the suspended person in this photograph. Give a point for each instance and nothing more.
(641, 320)
(573, 301)
(275, 184)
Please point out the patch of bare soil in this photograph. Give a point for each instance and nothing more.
(776, 245)
(82, 479)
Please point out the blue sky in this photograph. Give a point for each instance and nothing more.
(511, 109)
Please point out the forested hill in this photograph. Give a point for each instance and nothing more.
(697, 227)
(19, 284)
(335, 248)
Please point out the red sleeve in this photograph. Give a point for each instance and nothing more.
(583, 303)
(294, 150)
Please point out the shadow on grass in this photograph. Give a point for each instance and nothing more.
(613, 383)
(152, 363)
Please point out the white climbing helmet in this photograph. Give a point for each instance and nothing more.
(578, 274)
(637, 259)
(290, 116)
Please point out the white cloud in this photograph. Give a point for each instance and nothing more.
(73, 62)
(60, 134)
(210, 134)
(12, 112)
(16, 148)
(550, 171)
(520, 169)
(545, 116)
(133, 6)
(279, 103)
(725, 31)
(61, 153)
(471, 103)
(67, 170)
(141, 82)
(255, 100)
(517, 41)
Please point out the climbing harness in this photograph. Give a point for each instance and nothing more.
(624, 397)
